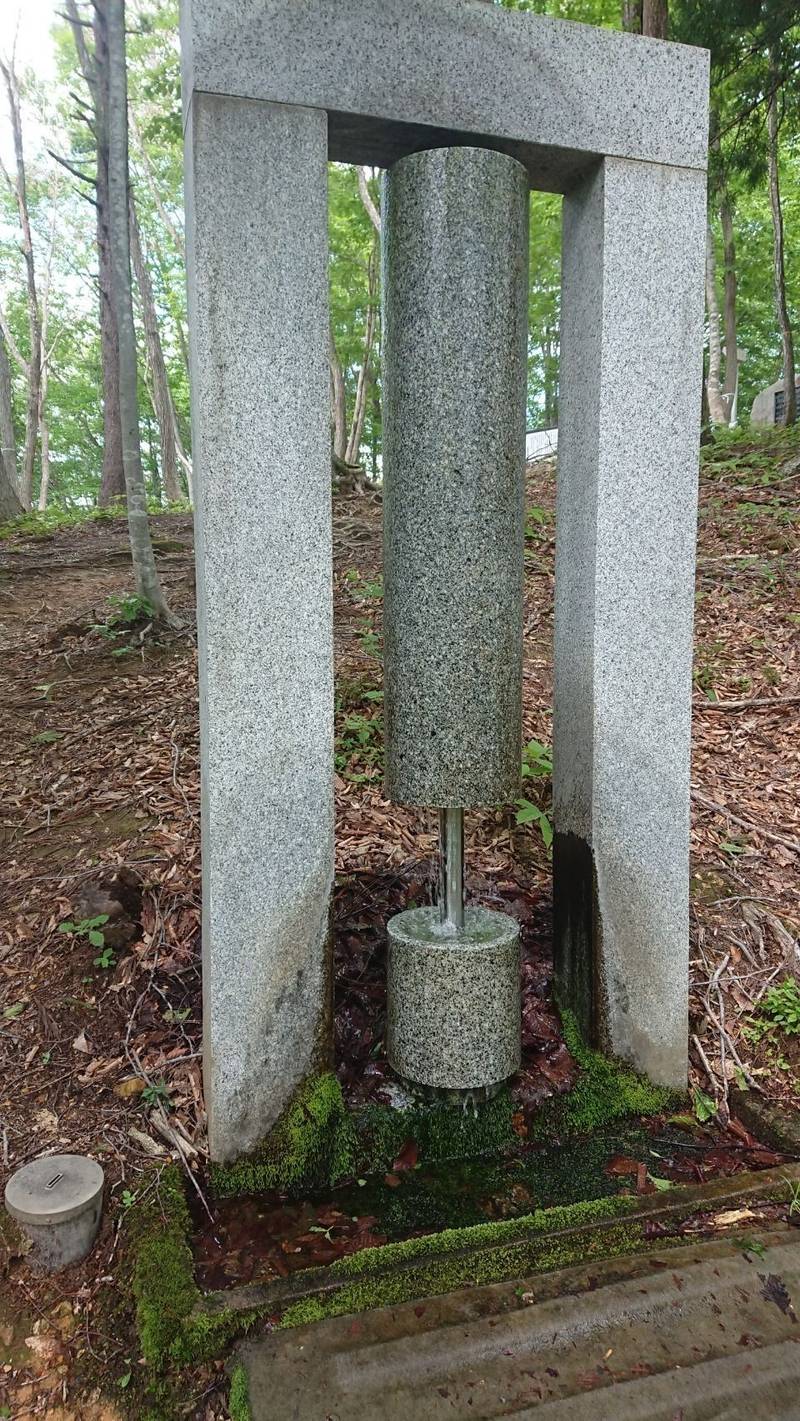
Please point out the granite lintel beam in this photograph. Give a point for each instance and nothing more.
(398, 75)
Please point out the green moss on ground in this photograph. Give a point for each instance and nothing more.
(604, 1091)
(308, 1147)
(239, 1396)
(317, 1142)
(440, 1263)
(158, 1227)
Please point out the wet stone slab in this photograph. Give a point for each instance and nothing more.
(701, 1332)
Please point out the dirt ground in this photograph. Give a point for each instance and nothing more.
(100, 1047)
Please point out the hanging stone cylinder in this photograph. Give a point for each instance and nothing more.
(455, 248)
(455, 254)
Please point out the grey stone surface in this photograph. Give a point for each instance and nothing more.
(453, 999)
(258, 292)
(632, 313)
(763, 410)
(58, 1201)
(398, 75)
(455, 254)
(689, 1333)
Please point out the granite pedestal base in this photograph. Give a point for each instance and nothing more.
(453, 999)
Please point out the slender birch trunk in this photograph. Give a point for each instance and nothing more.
(338, 400)
(787, 340)
(10, 502)
(34, 363)
(729, 388)
(162, 400)
(716, 404)
(360, 407)
(144, 566)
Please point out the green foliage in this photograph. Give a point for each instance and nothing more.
(537, 763)
(778, 1010)
(126, 612)
(156, 1094)
(89, 928)
(358, 731)
(705, 1108)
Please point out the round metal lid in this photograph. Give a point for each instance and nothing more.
(53, 1189)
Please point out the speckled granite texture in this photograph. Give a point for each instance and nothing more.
(399, 75)
(453, 999)
(455, 253)
(631, 353)
(258, 289)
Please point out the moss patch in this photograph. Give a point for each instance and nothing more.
(162, 1272)
(440, 1263)
(239, 1396)
(308, 1147)
(605, 1091)
(177, 1326)
(317, 1142)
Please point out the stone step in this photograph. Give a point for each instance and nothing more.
(705, 1332)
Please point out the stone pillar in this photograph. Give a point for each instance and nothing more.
(455, 246)
(631, 367)
(257, 257)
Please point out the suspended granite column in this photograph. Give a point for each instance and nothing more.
(455, 251)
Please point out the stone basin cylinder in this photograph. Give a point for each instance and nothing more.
(455, 284)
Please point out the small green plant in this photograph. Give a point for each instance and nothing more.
(90, 928)
(750, 1245)
(536, 520)
(126, 612)
(173, 1016)
(779, 1010)
(537, 763)
(106, 958)
(358, 745)
(794, 1195)
(156, 1094)
(368, 639)
(128, 1198)
(704, 1107)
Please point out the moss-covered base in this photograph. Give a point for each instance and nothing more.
(605, 1091)
(178, 1325)
(318, 1142)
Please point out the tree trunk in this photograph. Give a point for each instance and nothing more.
(144, 567)
(655, 18)
(338, 401)
(112, 482)
(44, 429)
(730, 386)
(9, 497)
(716, 404)
(787, 342)
(34, 364)
(362, 388)
(632, 16)
(162, 400)
(366, 199)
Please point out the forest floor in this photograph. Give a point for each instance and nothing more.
(99, 1044)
